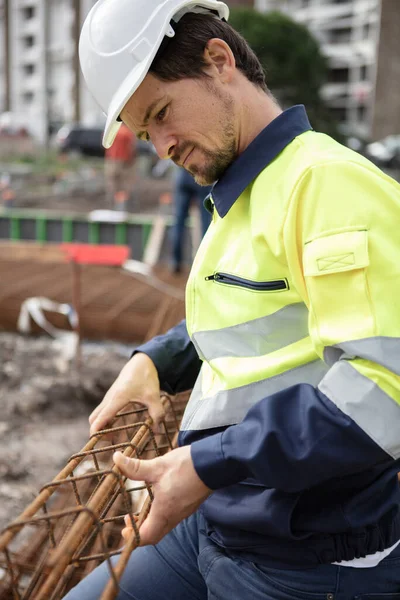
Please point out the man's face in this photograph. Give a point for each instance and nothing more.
(190, 121)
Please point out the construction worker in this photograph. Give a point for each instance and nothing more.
(285, 482)
(119, 168)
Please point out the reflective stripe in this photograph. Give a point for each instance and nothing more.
(255, 338)
(229, 407)
(383, 350)
(369, 406)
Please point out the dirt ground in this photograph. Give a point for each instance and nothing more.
(145, 199)
(82, 190)
(45, 405)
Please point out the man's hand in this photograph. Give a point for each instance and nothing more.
(137, 382)
(178, 491)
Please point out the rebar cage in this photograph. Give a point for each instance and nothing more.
(75, 522)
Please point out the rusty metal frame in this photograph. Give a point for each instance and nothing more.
(75, 521)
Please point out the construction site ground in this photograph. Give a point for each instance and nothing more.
(45, 402)
(73, 187)
(45, 398)
(45, 406)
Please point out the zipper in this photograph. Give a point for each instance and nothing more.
(261, 286)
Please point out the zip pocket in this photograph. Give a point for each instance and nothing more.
(259, 286)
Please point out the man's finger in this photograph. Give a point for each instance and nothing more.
(95, 412)
(138, 470)
(155, 527)
(104, 416)
(128, 520)
(126, 533)
(156, 412)
(101, 421)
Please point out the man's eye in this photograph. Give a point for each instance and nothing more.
(161, 114)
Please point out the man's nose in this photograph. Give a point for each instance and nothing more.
(165, 144)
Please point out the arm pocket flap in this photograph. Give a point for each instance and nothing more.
(336, 252)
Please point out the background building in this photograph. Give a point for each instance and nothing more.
(360, 38)
(40, 80)
(42, 86)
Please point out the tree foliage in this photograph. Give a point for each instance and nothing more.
(294, 65)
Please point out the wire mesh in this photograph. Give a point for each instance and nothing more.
(75, 521)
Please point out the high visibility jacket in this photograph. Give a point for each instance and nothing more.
(294, 281)
(293, 306)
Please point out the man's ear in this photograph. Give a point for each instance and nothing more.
(220, 60)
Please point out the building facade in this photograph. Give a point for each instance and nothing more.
(42, 87)
(40, 81)
(360, 39)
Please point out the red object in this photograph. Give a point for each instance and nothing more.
(96, 254)
(123, 147)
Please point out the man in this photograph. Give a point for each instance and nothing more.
(285, 483)
(118, 168)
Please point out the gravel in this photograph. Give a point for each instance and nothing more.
(44, 409)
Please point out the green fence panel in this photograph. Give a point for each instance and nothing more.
(41, 229)
(120, 233)
(94, 233)
(15, 229)
(67, 230)
(146, 229)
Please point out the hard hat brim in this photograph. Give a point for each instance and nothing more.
(124, 93)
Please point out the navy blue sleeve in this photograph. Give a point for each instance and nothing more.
(291, 440)
(175, 358)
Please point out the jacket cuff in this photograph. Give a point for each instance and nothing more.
(212, 467)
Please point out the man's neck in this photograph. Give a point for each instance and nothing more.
(257, 110)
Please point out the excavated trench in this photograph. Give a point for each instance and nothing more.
(44, 409)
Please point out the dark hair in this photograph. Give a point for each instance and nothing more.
(182, 56)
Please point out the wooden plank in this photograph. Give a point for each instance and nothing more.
(116, 305)
(27, 283)
(126, 302)
(31, 251)
(153, 247)
(96, 291)
(158, 319)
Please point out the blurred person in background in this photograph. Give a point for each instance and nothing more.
(186, 191)
(119, 169)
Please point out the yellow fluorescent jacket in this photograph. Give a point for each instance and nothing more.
(300, 283)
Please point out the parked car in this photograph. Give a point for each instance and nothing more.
(386, 152)
(87, 141)
(78, 139)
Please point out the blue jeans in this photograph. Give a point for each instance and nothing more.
(186, 565)
(186, 190)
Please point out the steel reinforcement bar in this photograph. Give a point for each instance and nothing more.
(75, 521)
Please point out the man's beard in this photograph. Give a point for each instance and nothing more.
(215, 161)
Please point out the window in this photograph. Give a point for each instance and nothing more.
(29, 69)
(338, 75)
(29, 41)
(361, 112)
(364, 73)
(28, 97)
(28, 12)
(366, 31)
(339, 113)
(341, 35)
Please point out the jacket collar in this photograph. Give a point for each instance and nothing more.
(258, 155)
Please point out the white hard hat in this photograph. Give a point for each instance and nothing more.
(118, 43)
